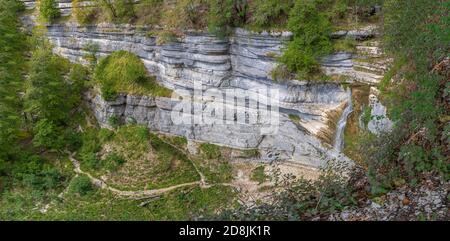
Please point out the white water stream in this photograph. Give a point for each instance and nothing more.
(340, 128)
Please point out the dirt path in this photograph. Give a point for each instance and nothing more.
(141, 193)
(129, 194)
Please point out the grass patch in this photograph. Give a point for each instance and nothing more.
(258, 175)
(124, 72)
(173, 166)
(210, 151)
(130, 158)
(344, 45)
(294, 118)
(252, 153)
(181, 204)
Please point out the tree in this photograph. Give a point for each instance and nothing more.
(12, 45)
(47, 92)
(311, 29)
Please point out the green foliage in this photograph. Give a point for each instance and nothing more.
(311, 29)
(81, 185)
(48, 10)
(83, 14)
(281, 73)
(124, 72)
(259, 175)
(32, 171)
(270, 13)
(225, 14)
(114, 121)
(47, 135)
(367, 115)
(118, 10)
(148, 12)
(121, 66)
(300, 199)
(416, 33)
(113, 161)
(91, 145)
(210, 151)
(173, 165)
(47, 92)
(108, 91)
(91, 49)
(344, 45)
(12, 45)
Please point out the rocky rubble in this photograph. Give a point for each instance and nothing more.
(426, 201)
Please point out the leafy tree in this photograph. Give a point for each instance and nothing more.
(12, 45)
(47, 92)
(311, 29)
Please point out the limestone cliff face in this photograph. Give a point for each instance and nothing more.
(241, 62)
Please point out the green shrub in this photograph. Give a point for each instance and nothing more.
(344, 45)
(91, 49)
(118, 10)
(123, 71)
(81, 185)
(113, 161)
(48, 11)
(47, 135)
(108, 91)
(210, 151)
(148, 12)
(114, 121)
(270, 13)
(84, 14)
(281, 74)
(220, 15)
(311, 29)
(46, 178)
(366, 115)
(105, 135)
(73, 140)
(47, 91)
(259, 175)
(12, 46)
(416, 33)
(121, 66)
(90, 160)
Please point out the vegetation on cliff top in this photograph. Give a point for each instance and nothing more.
(311, 22)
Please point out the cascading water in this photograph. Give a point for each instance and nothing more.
(340, 128)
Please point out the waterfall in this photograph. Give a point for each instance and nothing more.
(340, 128)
